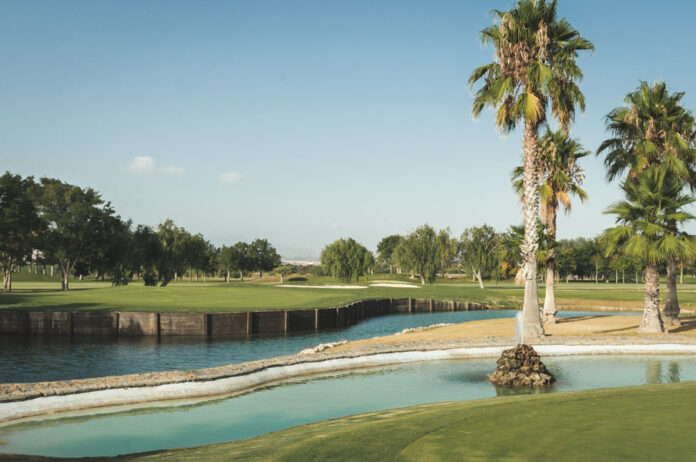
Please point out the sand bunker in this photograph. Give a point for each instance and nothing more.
(395, 284)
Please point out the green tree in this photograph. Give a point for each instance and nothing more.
(20, 223)
(173, 241)
(534, 66)
(385, 250)
(654, 203)
(263, 256)
(237, 257)
(73, 216)
(113, 252)
(146, 254)
(344, 259)
(448, 248)
(653, 129)
(283, 271)
(423, 252)
(477, 248)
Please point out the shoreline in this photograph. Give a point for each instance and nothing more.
(20, 401)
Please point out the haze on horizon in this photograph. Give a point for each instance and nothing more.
(304, 121)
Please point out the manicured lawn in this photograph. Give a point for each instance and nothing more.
(630, 424)
(236, 296)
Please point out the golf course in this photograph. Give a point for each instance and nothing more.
(218, 296)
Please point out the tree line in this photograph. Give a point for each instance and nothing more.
(74, 228)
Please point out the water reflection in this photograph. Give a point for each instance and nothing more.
(654, 371)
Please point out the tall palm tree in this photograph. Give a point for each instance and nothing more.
(653, 129)
(534, 65)
(654, 204)
(560, 178)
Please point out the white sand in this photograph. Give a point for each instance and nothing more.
(395, 284)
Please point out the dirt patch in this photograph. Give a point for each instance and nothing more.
(566, 327)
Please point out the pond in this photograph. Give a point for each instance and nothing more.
(44, 358)
(314, 399)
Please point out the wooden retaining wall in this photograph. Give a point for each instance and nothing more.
(112, 323)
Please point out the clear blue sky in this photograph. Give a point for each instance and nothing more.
(301, 121)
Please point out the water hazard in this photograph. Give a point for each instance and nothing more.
(41, 358)
(315, 399)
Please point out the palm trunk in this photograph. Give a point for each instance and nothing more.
(532, 325)
(652, 321)
(549, 315)
(671, 310)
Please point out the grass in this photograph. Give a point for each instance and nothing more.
(643, 423)
(43, 293)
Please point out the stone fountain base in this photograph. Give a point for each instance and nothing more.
(521, 367)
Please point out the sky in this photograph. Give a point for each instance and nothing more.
(303, 121)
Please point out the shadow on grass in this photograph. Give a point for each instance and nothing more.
(33, 302)
(560, 320)
(687, 326)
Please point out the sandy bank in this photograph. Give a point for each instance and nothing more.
(476, 339)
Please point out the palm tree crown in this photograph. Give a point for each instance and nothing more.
(654, 203)
(560, 174)
(651, 129)
(535, 61)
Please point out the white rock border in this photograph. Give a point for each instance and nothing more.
(13, 411)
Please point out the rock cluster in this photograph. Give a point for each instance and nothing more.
(521, 367)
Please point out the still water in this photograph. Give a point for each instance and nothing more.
(309, 400)
(40, 358)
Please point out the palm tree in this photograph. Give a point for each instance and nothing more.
(649, 220)
(534, 64)
(653, 129)
(560, 177)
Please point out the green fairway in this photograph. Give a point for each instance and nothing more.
(631, 424)
(238, 296)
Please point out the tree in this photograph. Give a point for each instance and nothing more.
(195, 252)
(263, 256)
(344, 259)
(534, 62)
(147, 253)
(283, 271)
(113, 252)
(477, 248)
(20, 223)
(654, 204)
(448, 248)
(385, 250)
(560, 178)
(653, 129)
(73, 216)
(172, 262)
(236, 258)
(423, 253)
